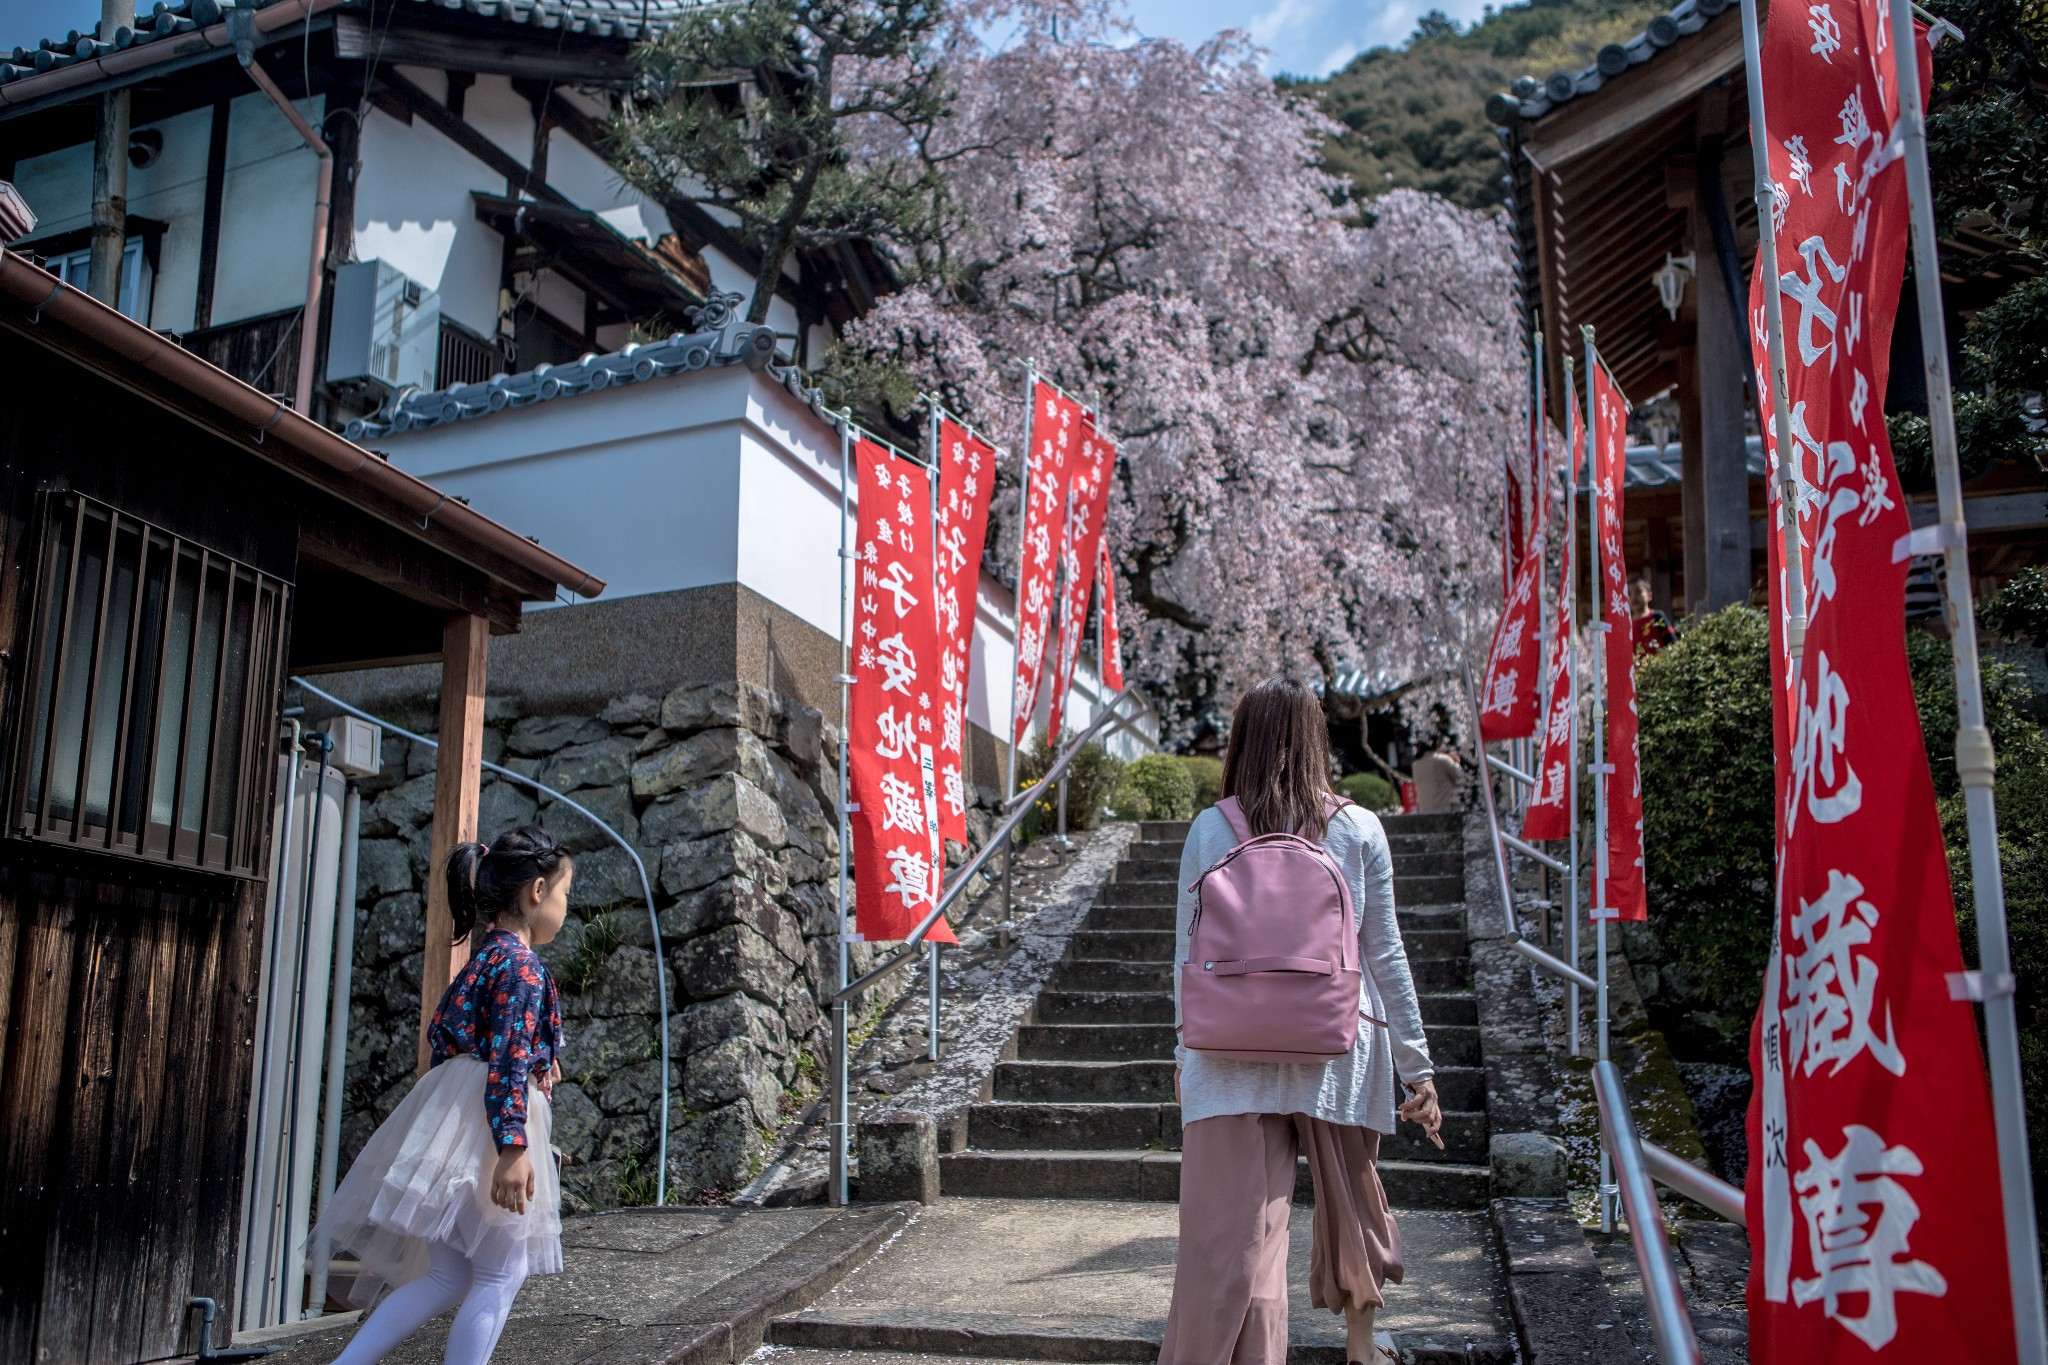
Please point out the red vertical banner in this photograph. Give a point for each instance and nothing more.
(1085, 513)
(1049, 460)
(1872, 1195)
(967, 469)
(1549, 814)
(892, 728)
(1626, 896)
(1507, 701)
(1112, 641)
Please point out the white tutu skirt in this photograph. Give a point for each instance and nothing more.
(425, 1176)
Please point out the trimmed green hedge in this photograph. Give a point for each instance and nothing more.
(1369, 790)
(1155, 787)
(1208, 775)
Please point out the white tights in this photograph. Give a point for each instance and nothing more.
(484, 1287)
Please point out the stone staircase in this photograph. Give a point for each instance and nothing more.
(1085, 1109)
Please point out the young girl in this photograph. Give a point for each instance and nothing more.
(1243, 1122)
(455, 1199)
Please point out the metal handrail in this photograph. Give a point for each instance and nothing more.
(1663, 1299)
(1704, 1188)
(1501, 764)
(996, 839)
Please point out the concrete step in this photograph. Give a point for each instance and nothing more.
(1441, 973)
(1121, 945)
(1453, 823)
(1138, 893)
(1428, 890)
(1156, 1175)
(1434, 945)
(1050, 1280)
(1457, 1087)
(1104, 1007)
(1430, 917)
(1132, 1082)
(1098, 974)
(1450, 863)
(1155, 848)
(1095, 1042)
(1010, 1126)
(1163, 831)
(1165, 868)
(1464, 1134)
(1453, 1044)
(1449, 1007)
(1153, 917)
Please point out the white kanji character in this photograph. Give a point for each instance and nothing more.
(1859, 396)
(896, 582)
(1560, 721)
(954, 543)
(903, 484)
(949, 672)
(1858, 1220)
(1818, 752)
(1806, 293)
(953, 792)
(901, 807)
(905, 513)
(910, 876)
(949, 731)
(885, 533)
(1855, 123)
(970, 486)
(899, 664)
(899, 736)
(1827, 34)
(1830, 989)
(882, 477)
(1553, 785)
(1500, 691)
(1876, 489)
(1509, 645)
(1839, 463)
(1802, 163)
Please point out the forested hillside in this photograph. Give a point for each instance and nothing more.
(1414, 113)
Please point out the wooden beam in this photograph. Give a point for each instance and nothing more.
(457, 776)
(444, 121)
(1639, 94)
(210, 215)
(471, 45)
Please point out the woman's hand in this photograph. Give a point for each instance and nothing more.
(549, 1079)
(1421, 1107)
(512, 1182)
(1176, 1082)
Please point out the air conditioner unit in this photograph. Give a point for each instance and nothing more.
(386, 332)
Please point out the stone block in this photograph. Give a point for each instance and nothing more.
(734, 1069)
(734, 958)
(634, 1089)
(800, 734)
(605, 877)
(598, 1047)
(722, 802)
(575, 831)
(713, 1151)
(725, 703)
(602, 763)
(539, 736)
(731, 900)
(410, 804)
(501, 806)
(395, 926)
(695, 863)
(708, 1023)
(1527, 1166)
(382, 867)
(576, 1119)
(637, 709)
(623, 985)
(899, 1157)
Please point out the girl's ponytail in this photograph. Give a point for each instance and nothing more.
(463, 863)
(484, 881)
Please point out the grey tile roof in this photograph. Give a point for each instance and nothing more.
(622, 19)
(1530, 99)
(1651, 467)
(721, 340)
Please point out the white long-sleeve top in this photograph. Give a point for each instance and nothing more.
(1358, 1089)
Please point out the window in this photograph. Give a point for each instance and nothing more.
(152, 699)
(138, 281)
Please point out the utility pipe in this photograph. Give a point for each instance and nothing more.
(241, 27)
(337, 1030)
(1992, 984)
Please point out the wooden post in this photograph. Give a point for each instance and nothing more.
(464, 648)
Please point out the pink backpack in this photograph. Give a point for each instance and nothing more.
(1272, 969)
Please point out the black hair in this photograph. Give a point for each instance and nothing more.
(485, 879)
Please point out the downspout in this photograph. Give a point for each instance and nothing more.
(242, 32)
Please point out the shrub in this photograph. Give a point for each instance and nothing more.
(1091, 781)
(1208, 775)
(1369, 790)
(1155, 787)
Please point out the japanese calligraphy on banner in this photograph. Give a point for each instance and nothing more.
(1626, 897)
(1873, 1209)
(966, 466)
(1085, 513)
(1112, 641)
(895, 700)
(1507, 700)
(1051, 453)
(1549, 815)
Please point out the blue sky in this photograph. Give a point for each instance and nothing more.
(1307, 37)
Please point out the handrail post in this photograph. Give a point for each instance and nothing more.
(1663, 1299)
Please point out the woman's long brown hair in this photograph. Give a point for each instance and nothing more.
(1278, 762)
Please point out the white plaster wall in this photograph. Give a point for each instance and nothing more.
(789, 522)
(413, 210)
(589, 182)
(266, 211)
(500, 113)
(58, 186)
(729, 278)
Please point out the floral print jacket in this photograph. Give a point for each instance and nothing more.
(502, 1008)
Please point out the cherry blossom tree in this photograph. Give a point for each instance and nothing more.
(1312, 396)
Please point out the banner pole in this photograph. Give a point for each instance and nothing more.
(931, 945)
(1569, 603)
(1601, 627)
(840, 1061)
(1992, 983)
(1017, 636)
(1787, 461)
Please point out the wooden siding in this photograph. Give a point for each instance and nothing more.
(125, 1042)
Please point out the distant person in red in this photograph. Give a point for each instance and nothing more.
(1653, 628)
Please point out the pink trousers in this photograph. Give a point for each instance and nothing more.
(1236, 1191)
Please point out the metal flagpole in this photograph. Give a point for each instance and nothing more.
(931, 947)
(1781, 411)
(840, 1061)
(1568, 602)
(1600, 767)
(1992, 983)
(1017, 634)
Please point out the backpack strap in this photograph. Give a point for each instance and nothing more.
(1233, 815)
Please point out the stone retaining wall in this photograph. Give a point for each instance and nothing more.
(725, 790)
